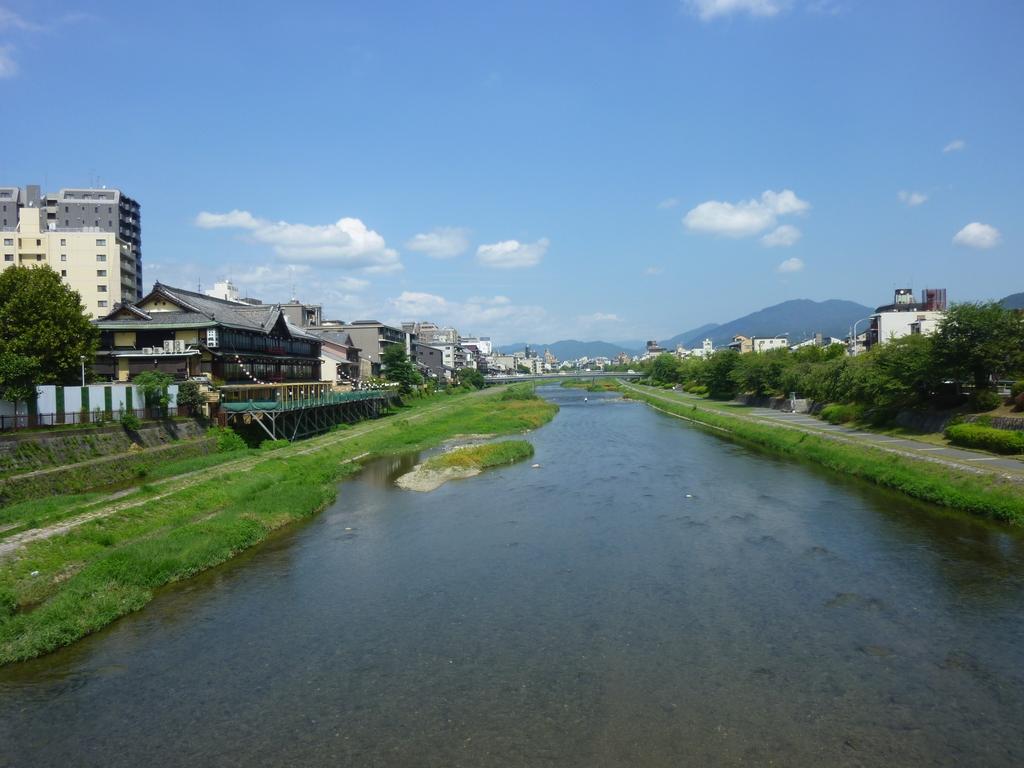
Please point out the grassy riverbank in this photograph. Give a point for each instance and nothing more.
(987, 496)
(481, 456)
(54, 591)
(604, 385)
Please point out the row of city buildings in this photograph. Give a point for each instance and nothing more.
(92, 238)
(905, 316)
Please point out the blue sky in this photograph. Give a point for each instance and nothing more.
(538, 170)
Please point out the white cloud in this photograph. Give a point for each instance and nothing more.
(668, 202)
(511, 254)
(652, 271)
(597, 318)
(978, 235)
(477, 315)
(232, 219)
(746, 218)
(712, 9)
(346, 243)
(8, 66)
(782, 236)
(955, 146)
(791, 265)
(441, 243)
(912, 199)
(10, 20)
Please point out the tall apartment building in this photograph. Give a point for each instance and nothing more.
(92, 238)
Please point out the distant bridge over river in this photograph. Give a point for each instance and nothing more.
(513, 379)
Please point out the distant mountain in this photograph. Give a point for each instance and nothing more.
(571, 349)
(798, 318)
(1014, 301)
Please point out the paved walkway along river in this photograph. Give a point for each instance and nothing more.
(650, 595)
(971, 460)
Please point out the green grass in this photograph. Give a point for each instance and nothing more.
(603, 385)
(110, 566)
(482, 456)
(989, 497)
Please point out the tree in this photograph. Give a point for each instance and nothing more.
(470, 377)
(398, 368)
(190, 396)
(18, 377)
(43, 320)
(979, 341)
(716, 374)
(153, 385)
(762, 372)
(665, 369)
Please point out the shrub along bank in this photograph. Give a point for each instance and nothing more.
(60, 589)
(1002, 500)
(986, 438)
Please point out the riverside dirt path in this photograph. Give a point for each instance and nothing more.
(973, 462)
(110, 505)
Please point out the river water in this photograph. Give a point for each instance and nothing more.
(651, 595)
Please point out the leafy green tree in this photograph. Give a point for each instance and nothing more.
(904, 371)
(470, 377)
(761, 373)
(664, 369)
(716, 373)
(190, 396)
(978, 341)
(44, 320)
(18, 377)
(153, 385)
(398, 368)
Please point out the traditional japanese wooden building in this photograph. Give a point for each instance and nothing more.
(187, 334)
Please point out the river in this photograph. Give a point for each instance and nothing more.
(651, 595)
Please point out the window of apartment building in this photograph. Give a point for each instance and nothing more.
(8, 241)
(8, 257)
(101, 241)
(63, 273)
(39, 257)
(97, 223)
(39, 242)
(65, 209)
(63, 242)
(65, 222)
(63, 257)
(101, 304)
(101, 273)
(95, 209)
(101, 289)
(101, 257)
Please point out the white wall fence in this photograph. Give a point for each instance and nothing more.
(77, 405)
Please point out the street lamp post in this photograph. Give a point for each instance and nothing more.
(81, 359)
(853, 336)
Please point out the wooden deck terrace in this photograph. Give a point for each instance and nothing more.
(293, 411)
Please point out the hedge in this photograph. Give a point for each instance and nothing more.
(986, 438)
